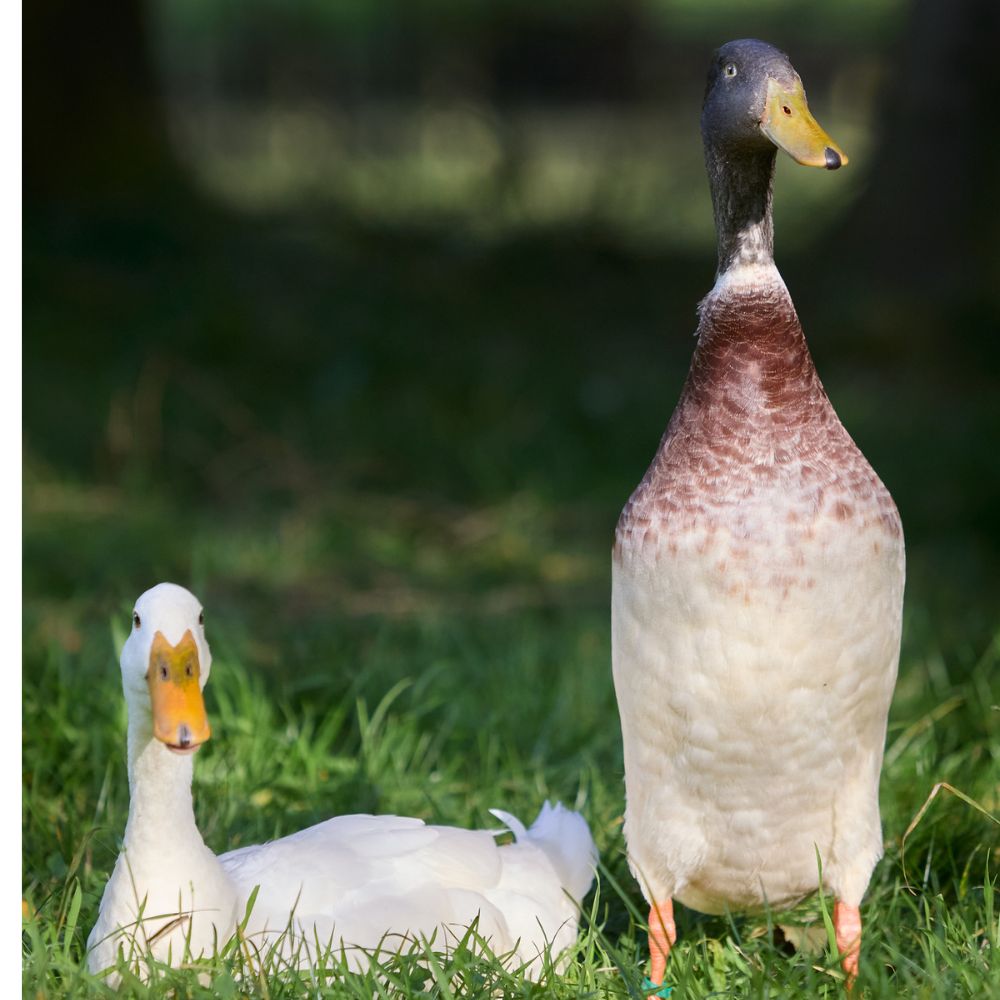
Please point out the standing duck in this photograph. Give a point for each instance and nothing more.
(757, 581)
(363, 884)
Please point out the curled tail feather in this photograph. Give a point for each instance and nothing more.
(564, 837)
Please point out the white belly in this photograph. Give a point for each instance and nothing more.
(754, 668)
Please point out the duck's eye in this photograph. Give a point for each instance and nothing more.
(730, 69)
(201, 618)
(136, 621)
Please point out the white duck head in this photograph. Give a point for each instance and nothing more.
(165, 664)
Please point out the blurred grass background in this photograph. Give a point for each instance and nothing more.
(363, 320)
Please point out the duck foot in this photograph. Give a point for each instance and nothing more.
(847, 928)
(662, 934)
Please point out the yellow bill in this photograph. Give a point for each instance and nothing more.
(789, 125)
(179, 718)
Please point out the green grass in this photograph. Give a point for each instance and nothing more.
(389, 462)
(442, 714)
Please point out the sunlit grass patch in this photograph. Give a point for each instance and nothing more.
(330, 695)
(445, 721)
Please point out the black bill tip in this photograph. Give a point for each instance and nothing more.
(832, 159)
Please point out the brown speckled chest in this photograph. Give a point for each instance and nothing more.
(753, 425)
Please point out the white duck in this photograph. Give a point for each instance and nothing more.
(357, 881)
(757, 579)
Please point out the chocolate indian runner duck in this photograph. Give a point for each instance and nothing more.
(757, 577)
(361, 882)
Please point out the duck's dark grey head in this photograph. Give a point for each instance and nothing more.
(754, 98)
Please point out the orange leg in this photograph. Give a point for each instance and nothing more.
(847, 927)
(662, 934)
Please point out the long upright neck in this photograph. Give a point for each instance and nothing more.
(741, 200)
(165, 871)
(160, 804)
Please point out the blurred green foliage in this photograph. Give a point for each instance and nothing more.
(852, 18)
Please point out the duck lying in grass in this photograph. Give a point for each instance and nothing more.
(358, 883)
(757, 582)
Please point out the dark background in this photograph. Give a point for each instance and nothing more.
(355, 310)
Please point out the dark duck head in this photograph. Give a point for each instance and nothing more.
(754, 105)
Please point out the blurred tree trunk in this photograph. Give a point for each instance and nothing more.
(924, 235)
(94, 122)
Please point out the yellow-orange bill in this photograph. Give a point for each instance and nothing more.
(789, 125)
(179, 717)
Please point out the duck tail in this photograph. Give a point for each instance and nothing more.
(564, 837)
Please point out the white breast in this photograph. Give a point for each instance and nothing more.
(754, 661)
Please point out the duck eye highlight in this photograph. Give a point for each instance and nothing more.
(136, 621)
(730, 69)
(201, 617)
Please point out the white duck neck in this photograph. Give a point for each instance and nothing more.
(160, 804)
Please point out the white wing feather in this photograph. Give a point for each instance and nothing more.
(365, 881)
